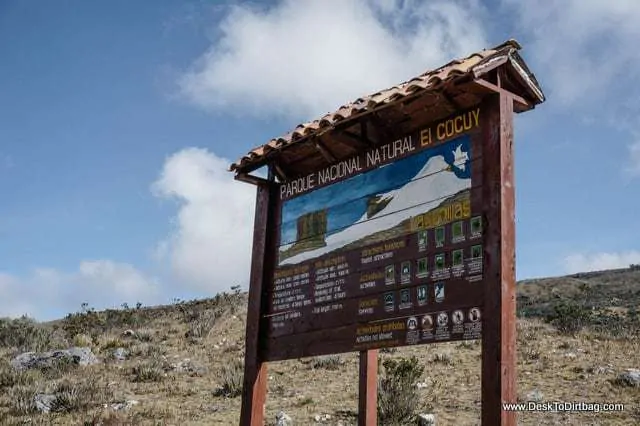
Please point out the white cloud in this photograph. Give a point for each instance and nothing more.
(585, 53)
(210, 247)
(100, 283)
(582, 45)
(634, 158)
(600, 261)
(302, 58)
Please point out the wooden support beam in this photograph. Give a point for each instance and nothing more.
(364, 133)
(355, 138)
(254, 389)
(278, 170)
(324, 151)
(387, 134)
(368, 388)
(520, 102)
(499, 322)
(247, 178)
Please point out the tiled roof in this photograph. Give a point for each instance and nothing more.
(473, 65)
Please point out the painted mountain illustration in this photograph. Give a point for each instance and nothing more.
(435, 181)
(377, 203)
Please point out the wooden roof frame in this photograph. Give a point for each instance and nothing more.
(458, 85)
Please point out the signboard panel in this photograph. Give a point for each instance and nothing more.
(381, 249)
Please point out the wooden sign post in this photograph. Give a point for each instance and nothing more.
(393, 226)
(499, 357)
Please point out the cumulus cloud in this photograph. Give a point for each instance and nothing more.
(585, 51)
(100, 283)
(600, 261)
(302, 58)
(582, 45)
(210, 247)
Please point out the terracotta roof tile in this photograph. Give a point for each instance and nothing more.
(429, 80)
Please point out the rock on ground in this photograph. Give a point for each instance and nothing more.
(44, 402)
(631, 377)
(120, 354)
(282, 419)
(76, 355)
(426, 420)
(321, 418)
(118, 406)
(187, 366)
(535, 396)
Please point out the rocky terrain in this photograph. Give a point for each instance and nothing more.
(578, 341)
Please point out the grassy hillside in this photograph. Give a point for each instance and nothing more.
(181, 364)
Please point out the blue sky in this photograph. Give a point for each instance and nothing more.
(119, 118)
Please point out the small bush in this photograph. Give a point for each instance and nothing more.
(569, 317)
(466, 344)
(82, 340)
(231, 377)
(148, 351)
(332, 362)
(92, 323)
(615, 324)
(57, 367)
(22, 400)
(9, 377)
(531, 354)
(201, 325)
(144, 335)
(305, 401)
(114, 343)
(25, 334)
(148, 372)
(443, 358)
(79, 396)
(398, 396)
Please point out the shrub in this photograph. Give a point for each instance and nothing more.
(87, 323)
(25, 334)
(22, 399)
(201, 324)
(79, 396)
(10, 377)
(397, 393)
(443, 358)
(57, 367)
(148, 372)
(569, 317)
(92, 323)
(231, 377)
(332, 362)
(615, 324)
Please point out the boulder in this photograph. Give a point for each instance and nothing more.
(631, 377)
(76, 355)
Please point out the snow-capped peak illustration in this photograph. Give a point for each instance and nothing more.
(460, 158)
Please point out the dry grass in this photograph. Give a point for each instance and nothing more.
(577, 365)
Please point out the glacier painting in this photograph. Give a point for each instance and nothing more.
(376, 200)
